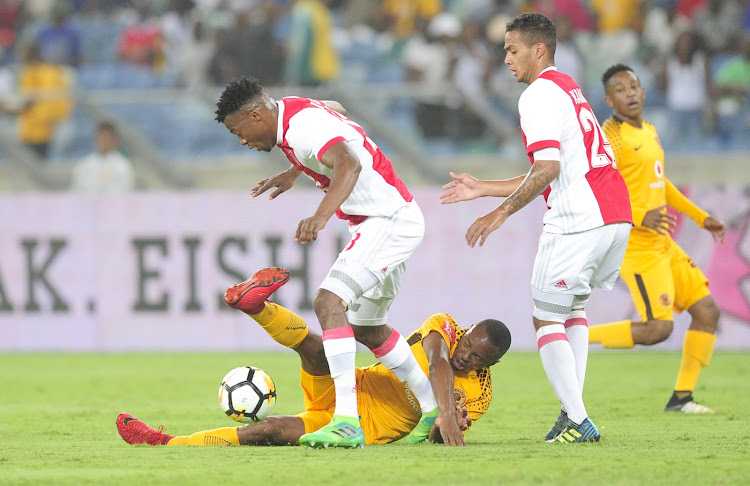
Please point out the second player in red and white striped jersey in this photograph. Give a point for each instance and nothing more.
(589, 192)
(307, 128)
(588, 223)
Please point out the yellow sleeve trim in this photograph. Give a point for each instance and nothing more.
(678, 201)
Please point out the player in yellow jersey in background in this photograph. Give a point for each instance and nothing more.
(456, 360)
(660, 275)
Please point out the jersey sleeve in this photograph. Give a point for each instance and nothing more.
(540, 118)
(312, 131)
(444, 325)
(678, 201)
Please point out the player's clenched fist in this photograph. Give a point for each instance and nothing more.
(307, 229)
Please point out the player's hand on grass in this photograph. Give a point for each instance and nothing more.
(660, 221)
(462, 418)
(307, 229)
(463, 187)
(716, 228)
(282, 182)
(450, 431)
(482, 227)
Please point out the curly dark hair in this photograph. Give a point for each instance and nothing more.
(535, 27)
(498, 334)
(614, 69)
(236, 94)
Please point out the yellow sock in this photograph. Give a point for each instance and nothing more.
(696, 353)
(225, 436)
(615, 335)
(283, 325)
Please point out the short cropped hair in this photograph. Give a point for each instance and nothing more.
(535, 27)
(237, 94)
(498, 334)
(106, 126)
(614, 69)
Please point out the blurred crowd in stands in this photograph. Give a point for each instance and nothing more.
(693, 57)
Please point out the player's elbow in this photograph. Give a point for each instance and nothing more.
(354, 166)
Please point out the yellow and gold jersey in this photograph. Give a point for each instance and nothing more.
(49, 85)
(392, 409)
(640, 158)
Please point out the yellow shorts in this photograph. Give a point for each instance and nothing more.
(380, 422)
(320, 400)
(664, 284)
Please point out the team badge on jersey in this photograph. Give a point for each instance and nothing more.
(658, 169)
(664, 300)
(459, 396)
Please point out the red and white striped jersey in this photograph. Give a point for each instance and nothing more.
(589, 192)
(307, 128)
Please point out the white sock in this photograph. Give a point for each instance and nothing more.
(340, 349)
(577, 330)
(396, 355)
(559, 364)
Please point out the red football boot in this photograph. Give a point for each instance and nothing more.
(135, 431)
(251, 295)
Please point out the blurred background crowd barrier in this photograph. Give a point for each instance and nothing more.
(115, 180)
(148, 272)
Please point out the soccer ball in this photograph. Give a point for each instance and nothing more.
(247, 394)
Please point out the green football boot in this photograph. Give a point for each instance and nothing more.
(341, 432)
(420, 432)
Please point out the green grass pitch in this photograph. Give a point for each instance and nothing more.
(57, 425)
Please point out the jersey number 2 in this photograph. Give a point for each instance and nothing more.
(601, 151)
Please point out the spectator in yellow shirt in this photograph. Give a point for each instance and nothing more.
(47, 91)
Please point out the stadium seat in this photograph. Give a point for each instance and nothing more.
(73, 138)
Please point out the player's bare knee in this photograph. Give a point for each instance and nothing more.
(326, 303)
(705, 314)
(657, 331)
(371, 336)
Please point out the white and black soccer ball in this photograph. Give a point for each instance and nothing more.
(247, 394)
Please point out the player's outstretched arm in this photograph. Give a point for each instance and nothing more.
(542, 173)
(678, 201)
(346, 168)
(716, 227)
(282, 182)
(465, 187)
(447, 427)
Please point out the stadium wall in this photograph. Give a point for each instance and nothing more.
(147, 271)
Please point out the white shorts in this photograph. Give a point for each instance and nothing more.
(567, 266)
(367, 273)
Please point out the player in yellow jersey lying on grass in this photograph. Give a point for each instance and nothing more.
(660, 275)
(457, 361)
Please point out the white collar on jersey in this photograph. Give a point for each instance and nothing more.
(280, 126)
(551, 68)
